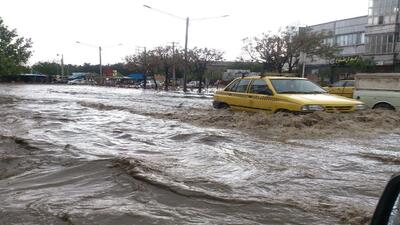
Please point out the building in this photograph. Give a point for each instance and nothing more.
(374, 36)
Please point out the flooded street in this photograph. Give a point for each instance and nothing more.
(96, 155)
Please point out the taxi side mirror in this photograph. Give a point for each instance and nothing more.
(387, 211)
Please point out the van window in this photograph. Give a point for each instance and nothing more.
(242, 86)
(259, 87)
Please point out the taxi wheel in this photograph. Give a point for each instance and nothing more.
(224, 106)
(283, 111)
(221, 105)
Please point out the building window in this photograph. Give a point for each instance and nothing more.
(370, 21)
(375, 20)
(362, 38)
(380, 20)
(350, 39)
(380, 43)
(382, 11)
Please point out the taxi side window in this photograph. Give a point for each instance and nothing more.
(242, 86)
(233, 86)
(260, 87)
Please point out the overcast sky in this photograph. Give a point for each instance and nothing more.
(56, 25)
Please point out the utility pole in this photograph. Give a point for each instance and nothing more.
(145, 68)
(101, 67)
(100, 49)
(62, 66)
(173, 64)
(304, 64)
(185, 68)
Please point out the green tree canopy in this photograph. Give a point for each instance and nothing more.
(14, 51)
(48, 68)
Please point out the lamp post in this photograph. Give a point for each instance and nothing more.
(185, 68)
(100, 64)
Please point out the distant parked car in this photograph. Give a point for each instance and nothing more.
(150, 84)
(77, 81)
(82, 82)
(193, 84)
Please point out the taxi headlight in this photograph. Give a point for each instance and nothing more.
(312, 108)
(360, 107)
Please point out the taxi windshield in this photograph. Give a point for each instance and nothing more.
(296, 86)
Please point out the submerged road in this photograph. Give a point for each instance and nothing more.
(96, 155)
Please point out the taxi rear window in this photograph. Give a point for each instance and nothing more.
(232, 86)
(238, 86)
(242, 86)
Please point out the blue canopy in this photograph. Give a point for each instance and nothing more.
(136, 76)
(33, 75)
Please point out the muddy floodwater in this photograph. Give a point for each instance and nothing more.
(96, 155)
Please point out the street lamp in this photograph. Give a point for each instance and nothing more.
(186, 35)
(100, 49)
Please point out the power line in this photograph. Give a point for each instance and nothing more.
(164, 12)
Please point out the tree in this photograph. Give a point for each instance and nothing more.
(275, 51)
(313, 44)
(159, 60)
(200, 58)
(143, 62)
(14, 51)
(269, 49)
(162, 59)
(164, 56)
(48, 68)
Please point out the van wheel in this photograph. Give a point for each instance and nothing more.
(384, 106)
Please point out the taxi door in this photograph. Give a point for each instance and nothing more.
(337, 88)
(260, 96)
(238, 96)
(348, 89)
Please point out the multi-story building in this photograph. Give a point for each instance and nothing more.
(375, 36)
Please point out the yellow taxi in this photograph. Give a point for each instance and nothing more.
(343, 88)
(281, 94)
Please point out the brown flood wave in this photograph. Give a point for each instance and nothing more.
(15, 156)
(388, 159)
(280, 125)
(140, 170)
